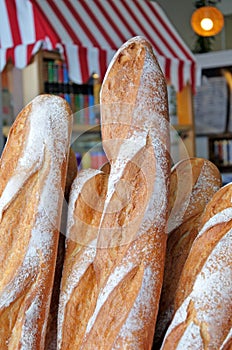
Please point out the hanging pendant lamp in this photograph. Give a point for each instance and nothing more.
(207, 21)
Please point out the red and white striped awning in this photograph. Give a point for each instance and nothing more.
(89, 32)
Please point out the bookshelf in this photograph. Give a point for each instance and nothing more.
(48, 73)
(220, 151)
(212, 104)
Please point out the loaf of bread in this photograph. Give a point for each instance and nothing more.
(193, 183)
(116, 234)
(203, 302)
(51, 334)
(32, 179)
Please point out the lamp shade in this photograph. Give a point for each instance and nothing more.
(207, 21)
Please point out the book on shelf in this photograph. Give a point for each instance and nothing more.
(80, 97)
(223, 152)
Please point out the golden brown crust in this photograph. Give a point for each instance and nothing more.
(193, 183)
(33, 169)
(105, 168)
(227, 345)
(126, 108)
(219, 202)
(16, 139)
(71, 173)
(203, 297)
(117, 220)
(51, 333)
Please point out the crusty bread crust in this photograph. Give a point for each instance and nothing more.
(32, 180)
(203, 298)
(116, 235)
(51, 334)
(193, 183)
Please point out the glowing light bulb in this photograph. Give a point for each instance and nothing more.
(206, 24)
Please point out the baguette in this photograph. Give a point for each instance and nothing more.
(203, 301)
(116, 235)
(33, 172)
(51, 334)
(193, 183)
